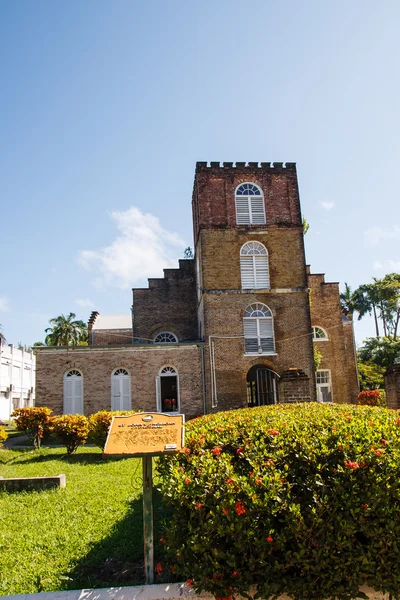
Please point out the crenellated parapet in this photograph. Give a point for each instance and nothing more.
(246, 165)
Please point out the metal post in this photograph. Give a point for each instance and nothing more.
(148, 536)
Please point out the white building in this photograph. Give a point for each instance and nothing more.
(17, 379)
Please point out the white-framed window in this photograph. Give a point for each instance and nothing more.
(165, 337)
(121, 390)
(324, 390)
(250, 209)
(254, 269)
(258, 328)
(73, 393)
(167, 390)
(319, 334)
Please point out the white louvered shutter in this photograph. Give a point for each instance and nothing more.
(242, 211)
(126, 392)
(247, 272)
(250, 336)
(261, 272)
(77, 396)
(68, 396)
(115, 393)
(266, 335)
(158, 393)
(257, 210)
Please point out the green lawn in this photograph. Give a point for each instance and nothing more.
(87, 535)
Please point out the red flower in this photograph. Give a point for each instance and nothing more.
(235, 573)
(239, 451)
(162, 540)
(240, 508)
(225, 511)
(364, 506)
(270, 539)
(159, 568)
(199, 505)
(187, 481)
(379, 452)
(251, 473)
(216, 451)
(273, 432)
(189, 582)
(186, 450)
(351, 464)
(229, 481)
(384, 442)
(269, 463)
(258, 481)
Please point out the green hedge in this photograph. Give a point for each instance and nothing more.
(297, 499)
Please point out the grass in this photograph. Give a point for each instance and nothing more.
(87, 535)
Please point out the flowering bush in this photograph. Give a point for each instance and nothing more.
(34, 421)
(371, 398)
(71, 430)
(99, 424)
(297, 499)
(3, 435)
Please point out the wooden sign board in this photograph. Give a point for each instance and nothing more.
(145, 433)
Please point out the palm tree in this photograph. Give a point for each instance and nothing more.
(2, 336)
(64, 331)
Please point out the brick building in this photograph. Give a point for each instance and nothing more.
(232, 327)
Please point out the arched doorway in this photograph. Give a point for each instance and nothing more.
(262, 386)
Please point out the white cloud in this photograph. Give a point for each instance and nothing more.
(4, 305)
(327, 205)
(374, 235)
(84, 302)
(388, 266)
(141, 250)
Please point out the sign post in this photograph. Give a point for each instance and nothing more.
(144, 435)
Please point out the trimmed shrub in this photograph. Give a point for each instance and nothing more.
(71, 430)
(297, 499)
(3, 435)
(372, 398)
(34, 421)
(100, 422)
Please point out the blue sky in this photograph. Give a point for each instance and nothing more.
(106, 106)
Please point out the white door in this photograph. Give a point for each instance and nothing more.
(73, 393)
(121, 390)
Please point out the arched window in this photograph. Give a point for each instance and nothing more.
(250, 209)
(165, 337)
(258, 330)
(73, 393)
(121, 390)
(254, 268)
(319, 334)
(167, 388)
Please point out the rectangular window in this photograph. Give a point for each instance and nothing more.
(323, 380)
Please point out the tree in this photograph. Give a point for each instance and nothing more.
(65, 331)
(380, 351)
(306, 226)
(2, 336)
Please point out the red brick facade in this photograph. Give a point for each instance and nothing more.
(205, 305)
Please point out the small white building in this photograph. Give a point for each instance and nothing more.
(17, 379)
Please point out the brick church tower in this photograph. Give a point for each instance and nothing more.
(252, 291)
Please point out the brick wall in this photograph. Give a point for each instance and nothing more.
(338, 351)
(169, 304)
(102, 337)
(96, 364)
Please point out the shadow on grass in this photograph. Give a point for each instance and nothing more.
(118, 559)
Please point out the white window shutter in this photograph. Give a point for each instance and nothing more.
(261, 272)
(242, 211)
(68, 396)
(78, 399)
(115, 393)
(247, 272)
(250, 336)
(257, 210)
(126, 392)
(158, 393)
(266, 335)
